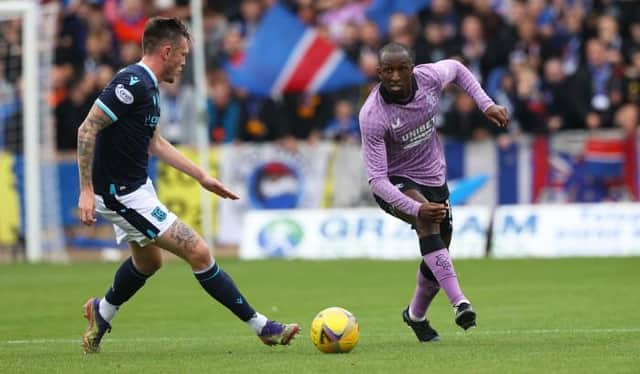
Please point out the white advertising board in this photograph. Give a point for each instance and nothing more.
(353, 233)
(605, 229)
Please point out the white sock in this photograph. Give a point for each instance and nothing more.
(257, 322)
(107, 310)
(460, 302)
(414, 318)
(213, 263)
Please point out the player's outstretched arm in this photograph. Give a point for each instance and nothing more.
(449, 71)
(169, 154)
(96, 120)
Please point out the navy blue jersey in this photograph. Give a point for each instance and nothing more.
(121, 157)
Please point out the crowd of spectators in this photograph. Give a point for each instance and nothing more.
(555, 65)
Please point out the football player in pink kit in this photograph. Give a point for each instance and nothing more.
(406, 168)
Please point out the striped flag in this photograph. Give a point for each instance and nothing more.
(561, 168)
(286, 56)
(604, 157)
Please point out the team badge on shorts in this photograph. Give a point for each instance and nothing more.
(159, 214)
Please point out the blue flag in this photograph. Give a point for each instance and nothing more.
(380, 10)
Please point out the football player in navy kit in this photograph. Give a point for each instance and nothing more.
(114, 145)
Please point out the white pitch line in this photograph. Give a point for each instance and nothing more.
(555, 331)
(124, 340)
(632, 330)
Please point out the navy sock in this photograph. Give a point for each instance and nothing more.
(220, 286)
(126, 283)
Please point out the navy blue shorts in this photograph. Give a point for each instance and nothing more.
(438, 194)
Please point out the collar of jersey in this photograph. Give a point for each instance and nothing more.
(388, 98)
(153, 76)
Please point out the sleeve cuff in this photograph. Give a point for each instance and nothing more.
(415, 209)
(485, 104)
(106, 110)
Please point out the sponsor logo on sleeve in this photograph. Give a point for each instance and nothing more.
(123, 94)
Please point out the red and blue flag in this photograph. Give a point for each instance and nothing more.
(285, 56)
(559, 168)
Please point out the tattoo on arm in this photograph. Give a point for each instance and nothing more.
(95, 121)
(184, 235)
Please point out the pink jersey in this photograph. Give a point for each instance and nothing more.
(401, 140)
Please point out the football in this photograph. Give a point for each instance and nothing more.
(335, 330)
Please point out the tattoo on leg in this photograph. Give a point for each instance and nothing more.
(184, 235)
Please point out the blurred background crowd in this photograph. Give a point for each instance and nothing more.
(555, 64)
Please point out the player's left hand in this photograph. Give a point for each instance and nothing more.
(215, 186)
(498, 115)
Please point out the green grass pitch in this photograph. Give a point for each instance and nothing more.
(534, 316)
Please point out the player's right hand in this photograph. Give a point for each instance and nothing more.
(211, 184)
(434, 212)
(87, 206)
